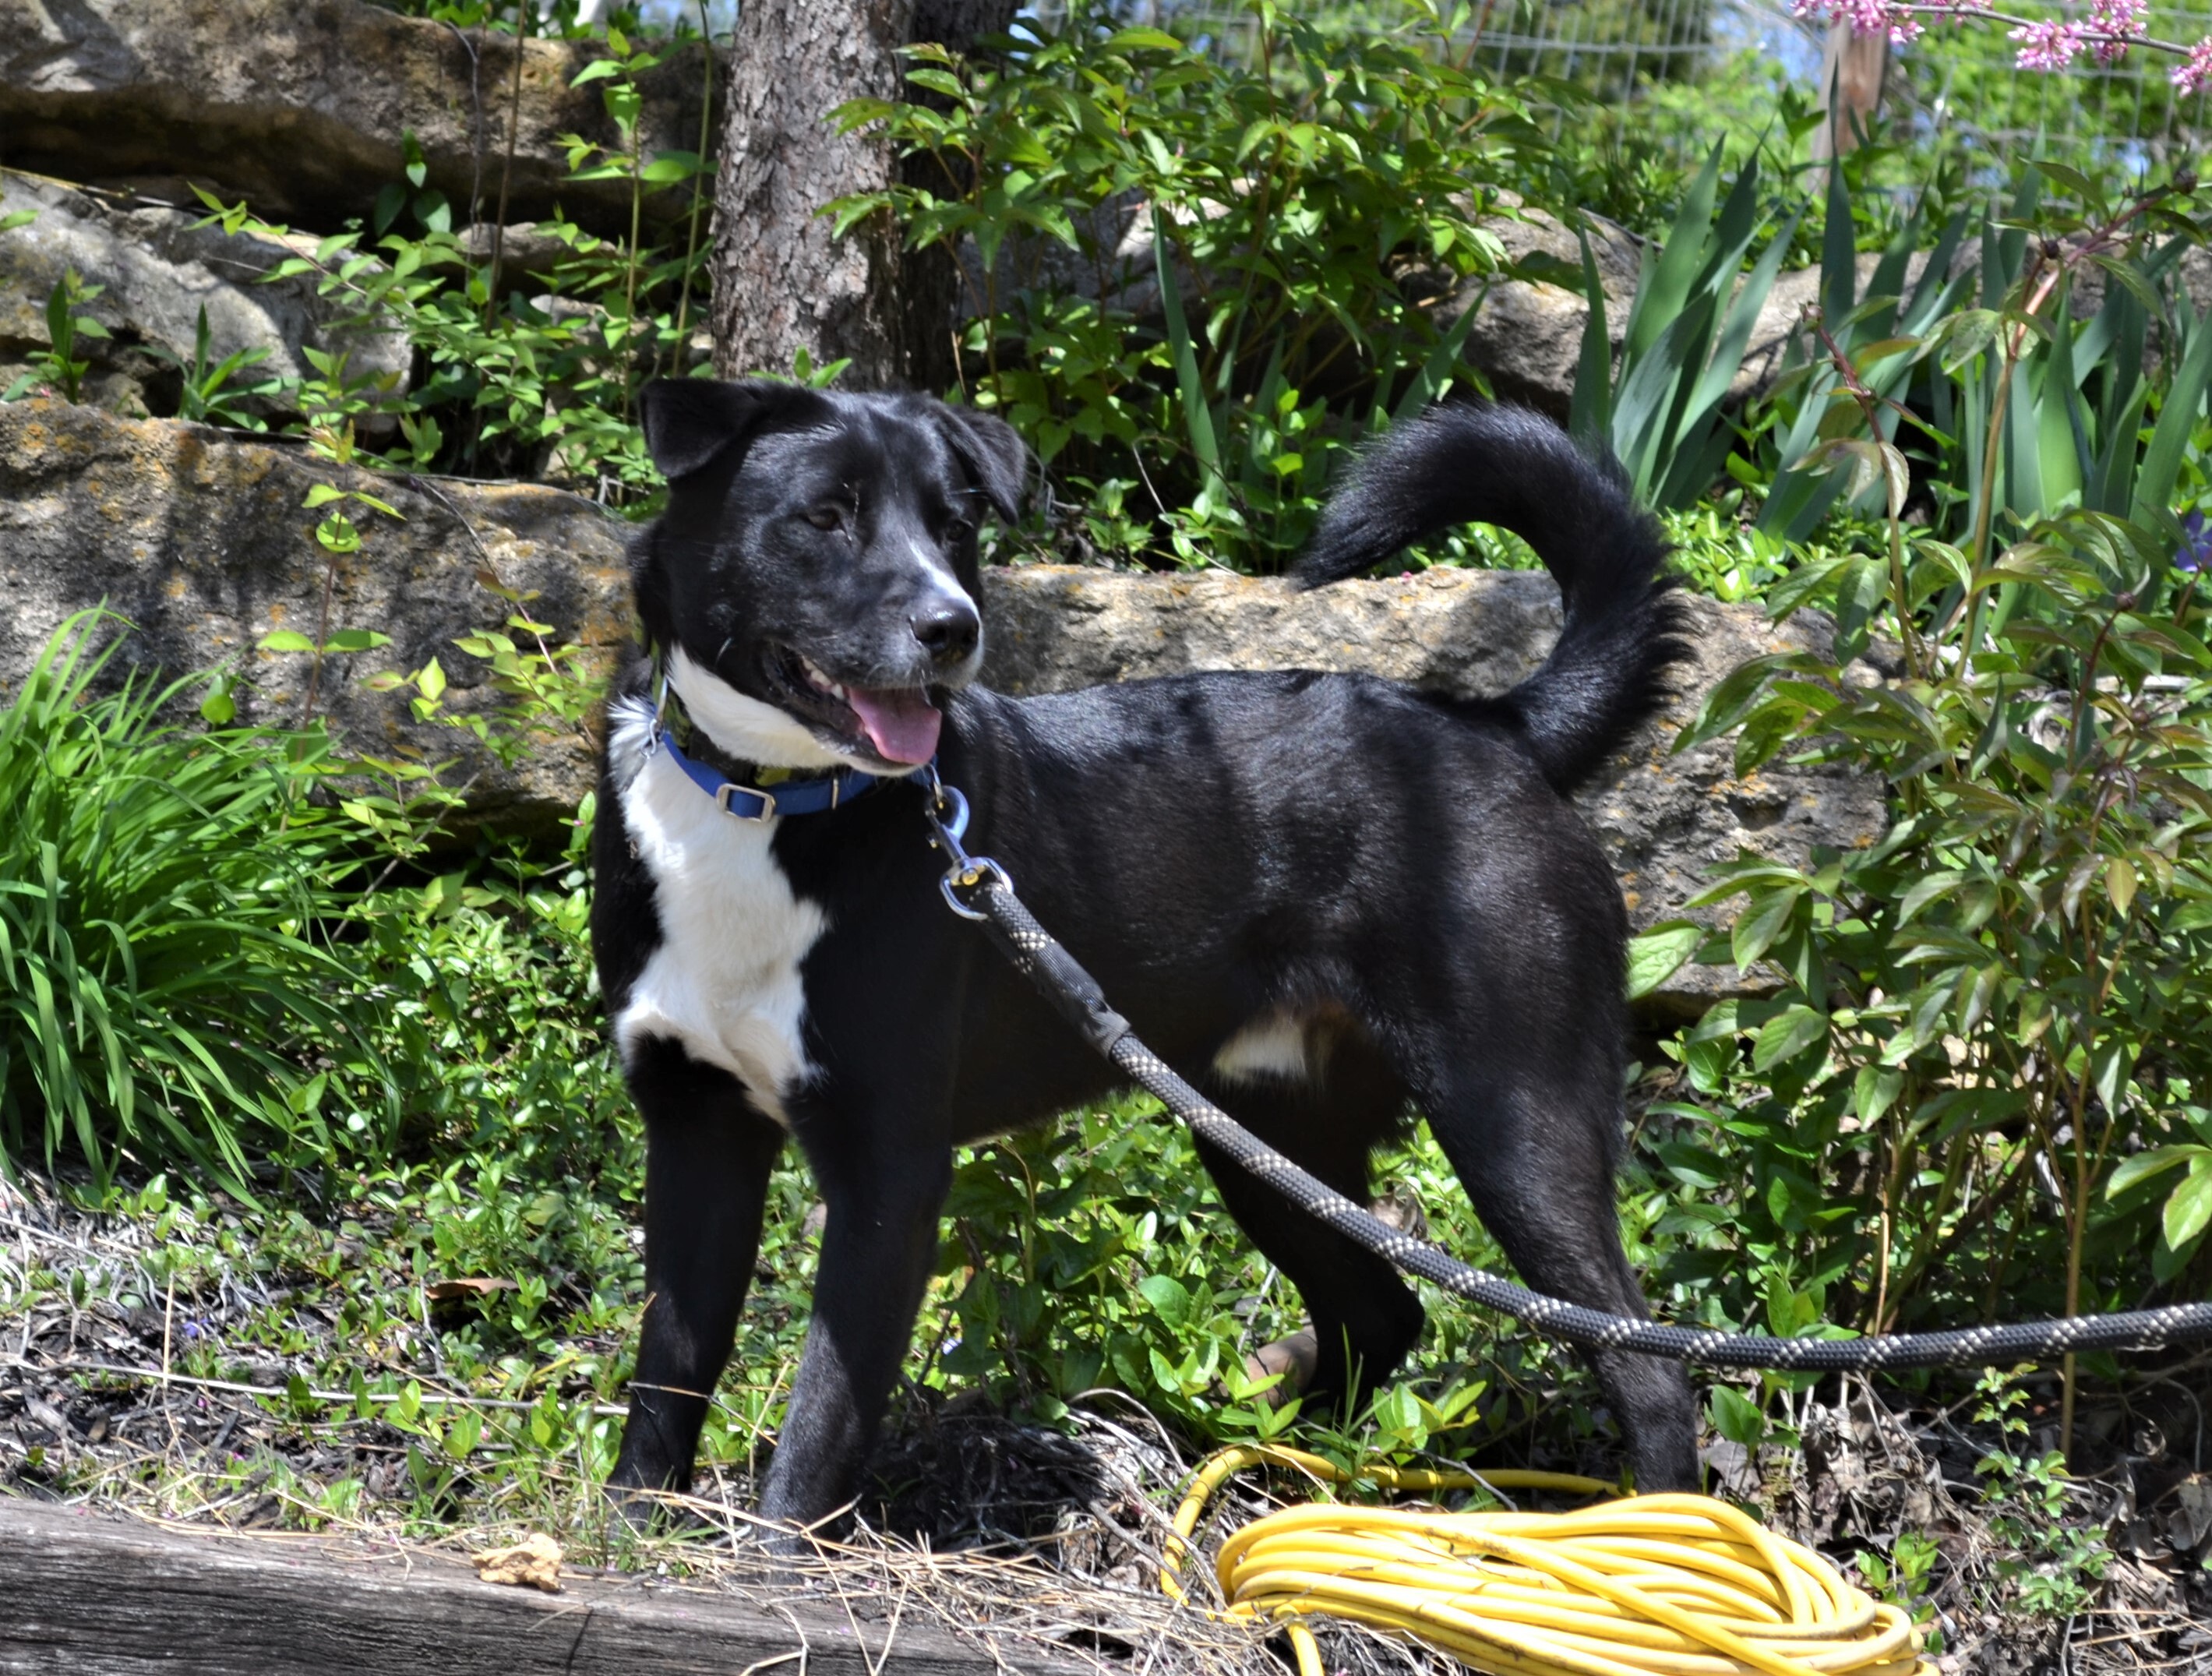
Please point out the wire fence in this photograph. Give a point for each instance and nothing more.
(1711, 66)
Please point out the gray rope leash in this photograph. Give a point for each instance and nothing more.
(1074, 993)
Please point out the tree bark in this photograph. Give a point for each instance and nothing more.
(781, 283)
(1852, 69)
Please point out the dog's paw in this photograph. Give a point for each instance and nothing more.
(1296, 1358)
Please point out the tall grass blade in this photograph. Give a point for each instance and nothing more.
(1190, 388)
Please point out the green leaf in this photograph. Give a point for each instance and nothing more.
(286, 639)
(1736, 1417)
(1764, 920)
(2073, 179)
(1168, 1296)
(2190, 1207)
(1589, 419)
(1142, 40)
(2144, 1165)
(1874, 1091)
(1198, 417)
(2120, 884)
(1656, 955)
(937, 81)
(2110, 1066)
(2177, 420)
(1787, 1034)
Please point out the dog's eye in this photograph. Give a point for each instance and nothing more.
(826, 517)
(957, 530)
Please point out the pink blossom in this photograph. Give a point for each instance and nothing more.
(2194, 73)
(2050, 46)
(1867, 17)
(2117, 17)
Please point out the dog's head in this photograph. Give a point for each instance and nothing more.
(813, 581)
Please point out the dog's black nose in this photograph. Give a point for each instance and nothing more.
(948, 632)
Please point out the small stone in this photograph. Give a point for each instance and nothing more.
(533, 1563)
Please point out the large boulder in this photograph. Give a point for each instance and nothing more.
(1663, 817)
(203, 540)
(1527, 334)
(303, 107)
(156, 270)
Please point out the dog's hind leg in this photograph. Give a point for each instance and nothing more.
(707, 1153)
(1537, 1161)
(1365, 1319)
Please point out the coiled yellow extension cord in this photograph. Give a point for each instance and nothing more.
(1644, 1585)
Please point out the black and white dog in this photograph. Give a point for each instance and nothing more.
(1338, 897)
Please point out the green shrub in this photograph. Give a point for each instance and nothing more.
(161, 894)
(540, 382)
(1979, 1020)
(486, 1011)
(1192, 282)
(1988, 372)
(1979, 1085)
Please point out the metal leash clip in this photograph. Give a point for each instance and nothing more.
(947, 809)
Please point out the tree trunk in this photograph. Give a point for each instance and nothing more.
(781, 283)
(1851, 72)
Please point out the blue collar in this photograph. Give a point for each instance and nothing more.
(752, 803)
(790, 797)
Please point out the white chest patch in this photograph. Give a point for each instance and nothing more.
(725, 980)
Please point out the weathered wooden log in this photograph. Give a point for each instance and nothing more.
(83, 1591)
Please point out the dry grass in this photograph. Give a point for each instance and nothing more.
(1017, 1538)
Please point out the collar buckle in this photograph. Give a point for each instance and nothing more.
(729, 789)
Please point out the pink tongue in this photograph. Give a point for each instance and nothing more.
(901, 721)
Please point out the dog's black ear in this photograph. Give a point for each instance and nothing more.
(689, 421)
(993, 453)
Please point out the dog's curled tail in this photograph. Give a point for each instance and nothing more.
(1472, 462)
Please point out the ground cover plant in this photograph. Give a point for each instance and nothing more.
(1974, 1090)
(163, 892)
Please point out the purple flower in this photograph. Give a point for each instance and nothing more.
(2195, 549)
(2192, 76)
(2124, 18)
(2051, 45)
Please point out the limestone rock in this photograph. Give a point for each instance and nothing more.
(157, 269)
(202, 541)
(1663, 818)
(300, 106)
(1527, 338)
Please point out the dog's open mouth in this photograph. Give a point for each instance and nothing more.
(898, 724)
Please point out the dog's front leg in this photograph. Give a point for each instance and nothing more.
(707, 1153)
(879, 1247)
